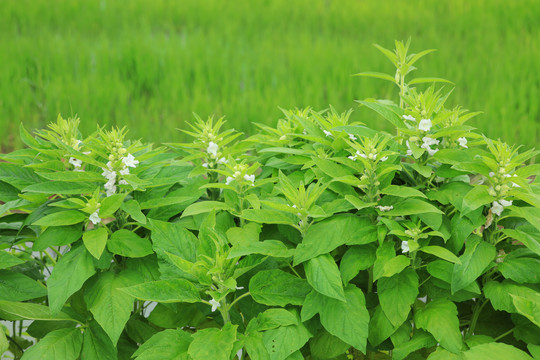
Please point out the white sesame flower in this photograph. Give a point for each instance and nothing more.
(423, 299)
(515, 185)
(432, 152)
(353, 158)
(327, 133)
(228, 180)
(429, 141)
(384, 158)
(215, 304)
(123, 182)
(491, 174)
(352, 137)
(497, 208)
(505, 203)
(384, 208)
(304, 132)
(130, 161)
(409, 151)
(205, 165)
(250, 178)
(124, 171)
(94, 218)
(404, 246)
(463, 142)
(439, 179)
(409, 117)
(283, 137)
(425, 124)
(362, 155)
(212, 148)
(223, 161)
(239, 354)
(87, 152)
(294, 206)
(75, 162)
(108, 174)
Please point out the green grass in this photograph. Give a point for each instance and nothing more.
(150, 64)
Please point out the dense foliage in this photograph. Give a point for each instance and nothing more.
(318, 239)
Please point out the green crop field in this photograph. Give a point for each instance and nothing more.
(150, 64)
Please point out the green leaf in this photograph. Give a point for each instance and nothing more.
(390, 267)
(397, 294)
(61, 218)
(500, 294)
(441, 354)
(356, 259)
(476, 197)
(167, 344)
(265, 216)
(165, 291)
(392, 113)
(110, 306)
(205, 207)
(347, 320)
(440, 318)
(274, 248)
(110, 205)
(377, 75)
(213, 343)
(274, 318)
(327, 235)
(10, 310)
(495, 351)
(17, 175)
(4, 344)
(476, 258)
(57, 236)
(284, 341)
(61, 187)
(428, 80)
(525, 238)
(72, 176)
(58, 344)
(357, 203)
(327, 346)
(420, 340)
(127, 243)
(278, 288)
(528, 307)
(323, 275)
(402, 191)
(68, 276)
(380, 328)
(411, 206)
(7, 260)
(522, 269)
(441, 253)
(97, 345)
(133, 208)
(95, 241)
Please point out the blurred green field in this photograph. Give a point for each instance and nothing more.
(150, 64)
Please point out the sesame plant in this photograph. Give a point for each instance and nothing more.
(319, 238)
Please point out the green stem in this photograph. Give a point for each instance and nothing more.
(224, 310)
(476, 314)
(505, 334)
(370, 280)
(237, 299)
(294, 271)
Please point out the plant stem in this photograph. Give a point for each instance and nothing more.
(505, 334)
(476, 314)
(370, 280)
(224, 309)
(238, 298)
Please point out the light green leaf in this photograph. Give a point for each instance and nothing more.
(377, 75)
(97, 345)
(411, 206)
(57, 236)
(58, 344)
(284, 341)
(216, 344)
(133, 208)
(397, 294)
(164, 291)
(110, 306)
(476, 258)
(390, 267)
(265, 216)
(205, 207)
(522, 269)
(72, 176)
(327, 235)
(528, 307)
(356, 259)
(274, 318)
(441, 354)
(11, 310)
(327, 346)
(441, 253)
(167, 344)
(17, 175)
(61, 218)
(524, 237)
(428, 80)
(495, 351)
(500, 294)
(439, 317)
(476, 197)
(7, 260)
(95, 241)
(68, 276)
(402, 191)
(323, 275)
(380, 328)
(390, 112)
(127, 243)
(278, 288)
(4, 344)
(61, 187)
(110, 204)
(274, 248)
(420, 340)
(357, 203)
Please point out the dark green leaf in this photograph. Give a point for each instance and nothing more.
(165, 291)
(213, 343)
(323, 275)
(397, 294)
(278, 288)
(127, 243)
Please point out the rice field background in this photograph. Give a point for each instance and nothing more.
(150, 64)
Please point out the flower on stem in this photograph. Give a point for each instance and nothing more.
(409, 117)
(212, 149)
(404, 246)
(425, 124)
(94, 217)
(215, 304)
(384, 208)
(75, 162)
(352, 137)
(463, 142)
(327, 133)
(250, 178)
(130, 161)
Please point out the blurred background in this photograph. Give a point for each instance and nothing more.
(150, 64)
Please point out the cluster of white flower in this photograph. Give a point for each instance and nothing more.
(215, 304)
(384, 208)
(423, 125)
(405, 247)
(77, 164)
(497, 207)
(352, 137)
(428, 142)
(236, 176)
(327, 133)
(503, 175)
(371, 156)
(212, 150)
(110, 173)
(463, 142)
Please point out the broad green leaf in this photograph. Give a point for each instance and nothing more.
(312, 305)
(420, 340)
(441, 253)
(167, 344)
(478, 196)
(97, 345)
(347, 320)
(133, 208)
(534, 350)
(284, 341)
(402, 191)
(323, 275)
(411, 206)
(396, 295)
(380, 328)
(72, 176)
(528, 307)
(327, 235)
(110, 204)
(387, 268)
(7, 260)
(278, 288)
(439, 317)
(110, 306)
(272, 248)
(441, 354)
(4, 344)
(274, 318)
(428, 80)
(522, 269)
(17, 176)
(265, 216)
(377, 75)
(357, 203)
(525, 238)
(61, 187)
(173, 238)
(204, 207)
(327, 346)
(476, 258)
(390, 112)
(495, 351)
(356, 259)
(443, 270)
(213, 343)
(254, 345)
(165, 291)
(500, 294)
(58, 344)
(61, 218)
(10, 310)
(95, 241)
(57, 236)
(127, 243)
(68, 276)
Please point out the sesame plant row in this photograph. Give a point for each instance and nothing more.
(319, 238)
